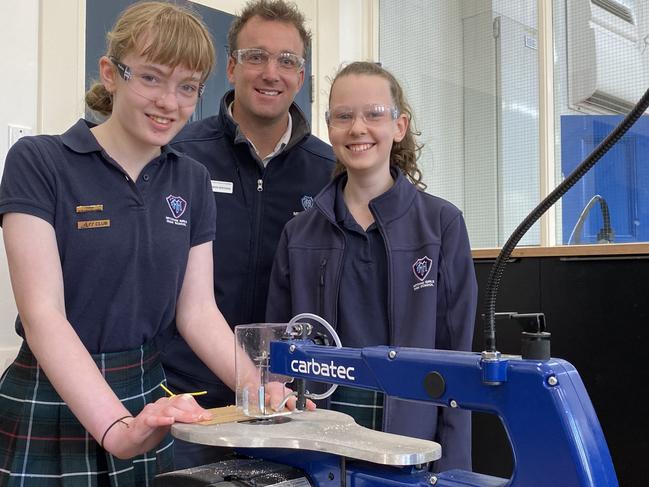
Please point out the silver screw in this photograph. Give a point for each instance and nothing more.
(433, 480)
(552, 380)
(392, 354)
(292, 348)
(490, 356)
(453, 403)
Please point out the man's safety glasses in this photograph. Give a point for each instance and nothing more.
(258, 58)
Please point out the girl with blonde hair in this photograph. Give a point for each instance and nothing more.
(108, 234)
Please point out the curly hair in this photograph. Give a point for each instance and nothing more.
(276, 10)
(163, 32)
(404, 154)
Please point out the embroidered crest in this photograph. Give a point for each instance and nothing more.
(421, 267)
(307, 202)
(177, 205)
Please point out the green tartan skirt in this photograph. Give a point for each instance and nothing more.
(43, 444)
(366, 407)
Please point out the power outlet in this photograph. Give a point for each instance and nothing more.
(16, 132)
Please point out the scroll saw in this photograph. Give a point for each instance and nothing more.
(555, 436)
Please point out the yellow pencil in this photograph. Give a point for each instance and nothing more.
(171, 394)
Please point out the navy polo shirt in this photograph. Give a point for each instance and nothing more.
(123, 244)
(362, 298)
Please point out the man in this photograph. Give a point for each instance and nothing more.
(265, 167)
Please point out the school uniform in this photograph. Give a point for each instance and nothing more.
(407, 281)
(255, 198)
(124, 247)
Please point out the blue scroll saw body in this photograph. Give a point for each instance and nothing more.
(555, 435)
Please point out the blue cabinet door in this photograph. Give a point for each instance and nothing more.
(621, 178)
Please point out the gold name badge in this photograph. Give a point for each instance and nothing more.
(88, 208)
(93, 224)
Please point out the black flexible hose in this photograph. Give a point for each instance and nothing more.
(606, 232)
(497, 269)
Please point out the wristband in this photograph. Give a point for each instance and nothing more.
(120, 420)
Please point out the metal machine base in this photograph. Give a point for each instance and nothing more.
(240, 472)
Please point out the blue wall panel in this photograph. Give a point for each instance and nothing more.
(621, 177)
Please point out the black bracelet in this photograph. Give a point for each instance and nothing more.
(120, 420)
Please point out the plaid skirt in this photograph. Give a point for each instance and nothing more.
(366, 407)
(43, 444)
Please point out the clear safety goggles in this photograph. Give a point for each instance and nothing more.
(343, 117)
(152, 86)
(258, 58)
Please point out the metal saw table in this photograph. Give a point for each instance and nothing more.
(320, 430)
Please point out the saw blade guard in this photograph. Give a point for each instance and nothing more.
(252, 361)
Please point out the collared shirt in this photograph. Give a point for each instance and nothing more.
(283, 141)
(123, 244)
(362, 300)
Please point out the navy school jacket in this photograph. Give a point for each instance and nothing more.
(253, 204)
(432, 292)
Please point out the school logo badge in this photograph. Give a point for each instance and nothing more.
(307, 202)
(177, 205)
(421, 268)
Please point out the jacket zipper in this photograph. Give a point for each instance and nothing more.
(321, 293)
(390, 320)
(334, 312)
(338, 278)
(256, 244)
(390, 307)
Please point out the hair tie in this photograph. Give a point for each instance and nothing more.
(120, 420)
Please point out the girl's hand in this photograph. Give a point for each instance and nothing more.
(134, 436)
(275, 394)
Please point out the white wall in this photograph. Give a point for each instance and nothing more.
(42, 48)
(19, 40)
(19, 100)
(62, 64)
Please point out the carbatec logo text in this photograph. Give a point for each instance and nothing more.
(323, 369)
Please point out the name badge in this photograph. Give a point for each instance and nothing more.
(93, 224)
(222, 187)
(89, 208)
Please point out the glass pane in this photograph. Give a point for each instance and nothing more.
(601, 70)
(470, 71)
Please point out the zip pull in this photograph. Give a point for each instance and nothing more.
(323, 266)
(260, 185)
(321, 290)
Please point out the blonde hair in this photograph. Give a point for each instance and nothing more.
(163, 33)
(404, 154)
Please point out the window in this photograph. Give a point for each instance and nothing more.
(470, 71)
